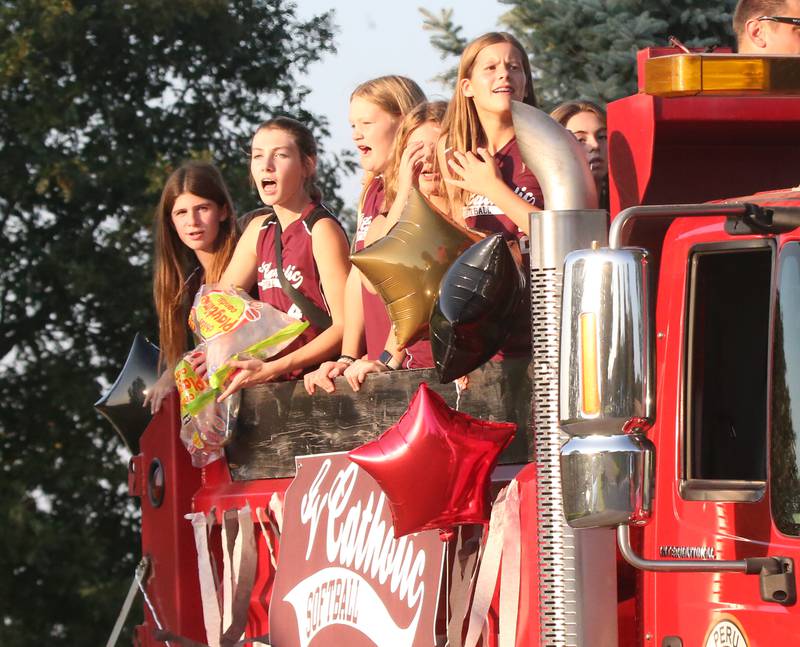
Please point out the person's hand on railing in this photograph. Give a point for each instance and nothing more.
(357, 373)
(323, 377)
(156, 395)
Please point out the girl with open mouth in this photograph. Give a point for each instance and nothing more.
(376, 110)
(298, 256)
(489, 186)
(412, 165)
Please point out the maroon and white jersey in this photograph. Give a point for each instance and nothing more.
(299, 268)
(482, 214)
(376, 320)
(372, 206)
(419, 355)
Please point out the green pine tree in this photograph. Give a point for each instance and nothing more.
(99, 101)
(587, 48)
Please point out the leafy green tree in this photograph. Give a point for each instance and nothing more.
(99, 101)
(587, 48)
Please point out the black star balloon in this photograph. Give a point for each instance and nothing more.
(123, 404)
(407, 264)
(434, 464)
(473, 314)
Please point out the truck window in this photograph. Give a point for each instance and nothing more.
(727, 364)
(785, 446)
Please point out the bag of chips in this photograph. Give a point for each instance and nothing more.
(206, 425)
(231, 325)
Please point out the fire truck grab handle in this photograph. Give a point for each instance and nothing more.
(744, 218)
(671, 212)
(776, 574)
(675, 565)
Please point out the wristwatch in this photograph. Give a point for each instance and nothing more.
(388, 360)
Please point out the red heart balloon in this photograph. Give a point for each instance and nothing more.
(434, 464)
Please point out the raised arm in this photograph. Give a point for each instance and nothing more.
(411, 164)
(478, 173)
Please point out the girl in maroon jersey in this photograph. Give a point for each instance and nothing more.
(314, 253)
(488, 184)
(376, 110)
(195, 235)
(412, 165)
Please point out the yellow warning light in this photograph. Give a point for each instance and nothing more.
(721, 74)
(590, 392)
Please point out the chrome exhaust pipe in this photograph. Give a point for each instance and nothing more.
(556, 158)
(575, 568)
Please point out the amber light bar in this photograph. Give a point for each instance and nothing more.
(721, 74)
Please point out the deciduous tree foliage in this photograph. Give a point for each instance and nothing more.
(587, 48)
(99, 101)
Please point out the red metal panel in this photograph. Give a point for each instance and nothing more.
(696, 149)
(167, 538)
(686, 604)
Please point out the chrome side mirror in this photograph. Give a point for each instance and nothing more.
(606, 392)
(606, 372)
(607, 480)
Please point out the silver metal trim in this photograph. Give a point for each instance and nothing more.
(555, 234)
(556, 158)
(670, 212)
(674, 565)
(713, 490)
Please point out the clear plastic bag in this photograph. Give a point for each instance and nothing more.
(234, 326)
(206, 425)
(231, 326)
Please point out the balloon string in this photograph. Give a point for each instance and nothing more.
(447, 585)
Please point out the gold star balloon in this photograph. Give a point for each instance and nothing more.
(408, 263)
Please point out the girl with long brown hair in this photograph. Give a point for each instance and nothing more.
(489, 186)
(195, 235)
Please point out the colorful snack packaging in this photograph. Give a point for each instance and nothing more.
(206, 425)
(231, 326)
(234, 326)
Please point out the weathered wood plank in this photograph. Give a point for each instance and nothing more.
(280, 421)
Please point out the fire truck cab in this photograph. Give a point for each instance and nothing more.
(678, 365)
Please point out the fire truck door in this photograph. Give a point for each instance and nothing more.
(728, 386)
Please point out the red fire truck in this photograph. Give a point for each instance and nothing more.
(657, 457)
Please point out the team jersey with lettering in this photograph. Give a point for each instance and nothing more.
(482, 214)
(371, 206)
(376, 319)
(299, 268)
